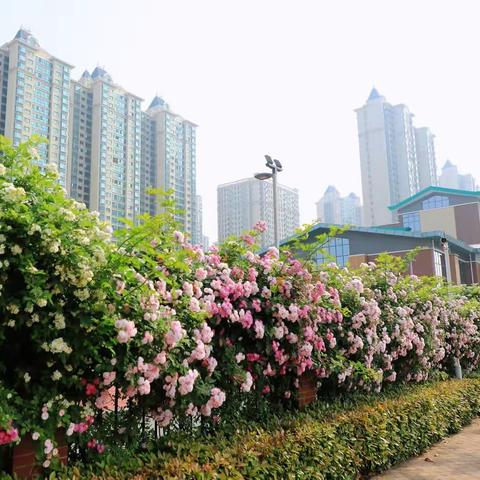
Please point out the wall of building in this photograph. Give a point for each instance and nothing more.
(243, 203)
(439, 219)
(467, 219)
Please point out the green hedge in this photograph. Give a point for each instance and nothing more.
(340, 441)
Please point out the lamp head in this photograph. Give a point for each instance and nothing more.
(263, 176)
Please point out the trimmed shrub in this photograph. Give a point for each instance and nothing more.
(340, 441)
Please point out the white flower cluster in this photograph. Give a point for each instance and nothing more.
(12, 193)
(58, 346)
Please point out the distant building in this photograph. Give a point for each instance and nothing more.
(452, 211)
(329, 207)
(241, 204)
(363, 244)
(428, 221)
(391, 168)
(199, 237)
(425, 151)
(174, 160)
(106, 129)
(332, 208)
(108, 152)
(205, 242)
(34, 98)
(451, 178)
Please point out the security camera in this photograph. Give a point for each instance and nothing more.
(443, 240)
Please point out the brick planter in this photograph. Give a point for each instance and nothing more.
(307, 390)
(21, 460)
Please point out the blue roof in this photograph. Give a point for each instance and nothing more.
(373, 94)
(157, 102)
(331, 189)
(393, 231)
(435, 189)
(448, 164)
(101, 73)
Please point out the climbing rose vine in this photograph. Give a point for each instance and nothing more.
(102, 336)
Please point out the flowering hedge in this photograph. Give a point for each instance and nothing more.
(99, 336)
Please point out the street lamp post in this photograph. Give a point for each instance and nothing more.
(275, 166)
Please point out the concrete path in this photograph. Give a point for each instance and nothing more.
(455, 458)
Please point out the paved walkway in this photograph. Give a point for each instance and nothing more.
(455, 458)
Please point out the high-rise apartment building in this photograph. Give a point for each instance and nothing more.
(425, 151)
(80, 139)
(108, 152)
(174, 160)
(351, 210)
(34, 99)
(333, 208)
(388, 156)
(329, 207)
(241, 204)
(4, 60)
(451, 178)
(198, 234)
(106, 131)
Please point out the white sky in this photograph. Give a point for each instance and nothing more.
(278, 77)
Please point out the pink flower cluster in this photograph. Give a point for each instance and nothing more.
(126, 330)
(8, 436)
(235, 322)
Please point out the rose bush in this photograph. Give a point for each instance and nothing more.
(108, 339)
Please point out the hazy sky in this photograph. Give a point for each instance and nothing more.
(278, 77)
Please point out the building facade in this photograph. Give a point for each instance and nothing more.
(359, 245)
(108, 151)
(175, 163)
(106, 159)
(451, 178)
(333, 208)
(36, 98)
(390, 167)
(425, 151)
(454, 212)
(442, 225)
(241, 204)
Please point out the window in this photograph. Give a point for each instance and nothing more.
(437, 201)
(437, 260)
(412, 221)
(336, 249)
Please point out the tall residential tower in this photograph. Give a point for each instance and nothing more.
(108, 152)
(34, 98)
(174, 162)
(427, 165)
(397, 159)
(451, 178)
(332, 208)
(241, 204)
(105, 143)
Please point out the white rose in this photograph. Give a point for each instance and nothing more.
(16, 249)
(51, 168)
